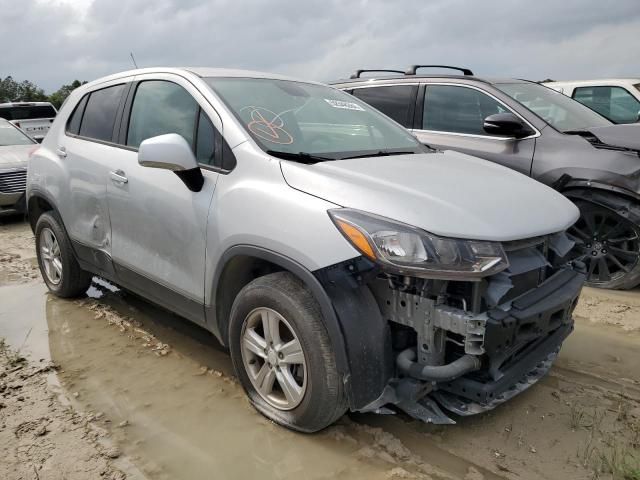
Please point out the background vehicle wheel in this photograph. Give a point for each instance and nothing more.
(282, 354)
(58, 266)
(609, 245)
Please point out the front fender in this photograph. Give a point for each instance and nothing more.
(359, 335)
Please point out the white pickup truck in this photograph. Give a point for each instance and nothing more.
(34, 118)
(617, 99)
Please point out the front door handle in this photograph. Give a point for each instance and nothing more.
(61, 152)
(118, 177)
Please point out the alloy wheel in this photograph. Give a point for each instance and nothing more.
(273, 358)
(51, 256)
(607, 243)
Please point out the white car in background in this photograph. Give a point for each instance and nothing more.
(617, 99)
(34, 118)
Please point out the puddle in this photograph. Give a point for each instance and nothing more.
(185, 415)
(23, 320)
(181, 415)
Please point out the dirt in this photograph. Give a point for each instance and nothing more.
(41, 437)
(161, 392)
(18, 263)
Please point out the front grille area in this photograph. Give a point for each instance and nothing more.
(13, 181)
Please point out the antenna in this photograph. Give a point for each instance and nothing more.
(133, 60)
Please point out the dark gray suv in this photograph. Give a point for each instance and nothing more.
(537, 131)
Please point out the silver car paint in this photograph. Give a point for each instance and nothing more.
(160, 229)
(171, 248)
(14, 156)
(447, 193)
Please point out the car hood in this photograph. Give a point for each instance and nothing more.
(625, 136)
(446, 193)
(14, 156)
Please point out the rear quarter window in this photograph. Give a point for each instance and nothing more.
(100, 113)
(73, 125)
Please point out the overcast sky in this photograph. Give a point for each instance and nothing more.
(52, 42)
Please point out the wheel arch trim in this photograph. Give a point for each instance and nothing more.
(220, 326)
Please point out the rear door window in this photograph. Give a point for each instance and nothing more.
(614, 103)
(161, 107)
(100, 113)
(453, 109)
(395, 101)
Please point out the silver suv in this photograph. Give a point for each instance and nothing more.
(344, 264)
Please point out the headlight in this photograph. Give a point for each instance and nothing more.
(407, 250)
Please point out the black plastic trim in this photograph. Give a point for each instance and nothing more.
(412, 69)
(358, 73)
(220, 326)
(159, 294)
(486, 392)
(418, 114)
(517, 339)
(367, 336)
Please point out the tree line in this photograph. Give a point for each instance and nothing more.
(26, 91)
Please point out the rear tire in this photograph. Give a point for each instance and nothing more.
(58, 265)
(609, 245)
(299, 388)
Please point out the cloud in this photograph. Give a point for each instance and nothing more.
(52, 42)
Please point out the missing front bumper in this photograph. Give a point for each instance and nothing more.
(517, 344)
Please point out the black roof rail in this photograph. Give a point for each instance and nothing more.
(412, 69)
(360, 72)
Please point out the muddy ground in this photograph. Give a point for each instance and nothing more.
(118, 377)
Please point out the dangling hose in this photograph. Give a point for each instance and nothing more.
(436, 373)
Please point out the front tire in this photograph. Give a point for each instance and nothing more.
(282, 354)
(58, 266)
(609, 245)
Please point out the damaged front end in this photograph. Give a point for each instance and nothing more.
(468, 345)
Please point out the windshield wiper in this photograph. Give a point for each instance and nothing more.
(380, 153)
(302, 157)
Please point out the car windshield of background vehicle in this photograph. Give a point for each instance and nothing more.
(27, 112)
(10, 135)
(561, 112)
(291, 118)
(614, 103)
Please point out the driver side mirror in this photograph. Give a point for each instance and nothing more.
(172, 152)
(506, 125)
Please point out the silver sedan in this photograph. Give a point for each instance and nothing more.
(15, 147)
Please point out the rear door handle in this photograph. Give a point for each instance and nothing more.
(118, 177)
(61, 152)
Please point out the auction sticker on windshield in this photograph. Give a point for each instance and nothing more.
(344, 105)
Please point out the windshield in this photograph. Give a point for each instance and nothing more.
(293, 118)
(27, 112)
(561, 112)
(10, 135)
